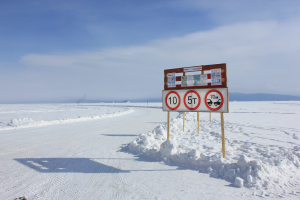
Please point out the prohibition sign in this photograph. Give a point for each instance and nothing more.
(173, 100)
(191, 100)
(214, 101)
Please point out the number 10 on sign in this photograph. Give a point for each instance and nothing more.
(172, 100)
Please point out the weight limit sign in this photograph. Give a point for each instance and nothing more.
(192, 100)
(214, 100)
(172, 100)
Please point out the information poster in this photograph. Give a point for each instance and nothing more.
(171, 80)
(192, 69)
(194, 80)
(200, 80)
(216, 77)
(197, 80)
(183, 81)
(190, 80)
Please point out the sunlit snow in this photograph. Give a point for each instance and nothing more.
(108, 151)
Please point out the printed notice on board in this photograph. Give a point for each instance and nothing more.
(192, 69)
(171, 80)
(216, 77)
(194, 80)
(190, 80)
(187, 81)
(200, 80)
(183, 81)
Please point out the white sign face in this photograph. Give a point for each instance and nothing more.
(198, 100)
(191, 100)
(172, 100)
(214, 100)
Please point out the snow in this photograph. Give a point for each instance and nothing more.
(119, 150)
(267, 164)
(24, 116)
(239, 182)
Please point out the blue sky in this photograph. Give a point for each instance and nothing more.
(57, 51)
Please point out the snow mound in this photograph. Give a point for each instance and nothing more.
(28, 122)
(247, 164)
(20, 122)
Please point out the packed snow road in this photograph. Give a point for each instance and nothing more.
(85, 160)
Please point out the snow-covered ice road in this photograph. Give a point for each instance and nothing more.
(83, 161)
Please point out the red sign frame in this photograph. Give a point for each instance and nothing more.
(203, 68)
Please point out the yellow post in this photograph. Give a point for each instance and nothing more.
(198, 121)
(183, 121)
(209, 116)
(223, 136)
(168, 132)
(183, 112)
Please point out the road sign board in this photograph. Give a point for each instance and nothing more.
(200, 88)
(196, 77)
(192, 100)
(214, 100)
(198, 100)
(172, 100)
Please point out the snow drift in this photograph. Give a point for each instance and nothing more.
(248, 164)
(26, 122)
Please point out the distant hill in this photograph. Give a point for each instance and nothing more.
(234, 96)
(100, 101)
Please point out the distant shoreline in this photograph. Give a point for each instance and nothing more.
(233, 96)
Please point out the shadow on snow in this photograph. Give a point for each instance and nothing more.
(76, 165)
(68, 165)
(121, 135)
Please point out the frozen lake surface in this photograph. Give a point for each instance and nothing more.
(119, 151)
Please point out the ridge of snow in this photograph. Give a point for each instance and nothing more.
(28, 122)
(248, 164)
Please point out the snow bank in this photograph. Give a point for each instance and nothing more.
(28, 122)
(248, 164)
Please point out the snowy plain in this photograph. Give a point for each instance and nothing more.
(119, 151)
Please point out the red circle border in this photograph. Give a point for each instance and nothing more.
(192, 91)
(222, 98)
(166, 100)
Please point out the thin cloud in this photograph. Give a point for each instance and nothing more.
(243, 40)
(254, 53)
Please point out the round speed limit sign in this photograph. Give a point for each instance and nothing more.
(172, 100)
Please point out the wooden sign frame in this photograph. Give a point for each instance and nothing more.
(203, 69)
